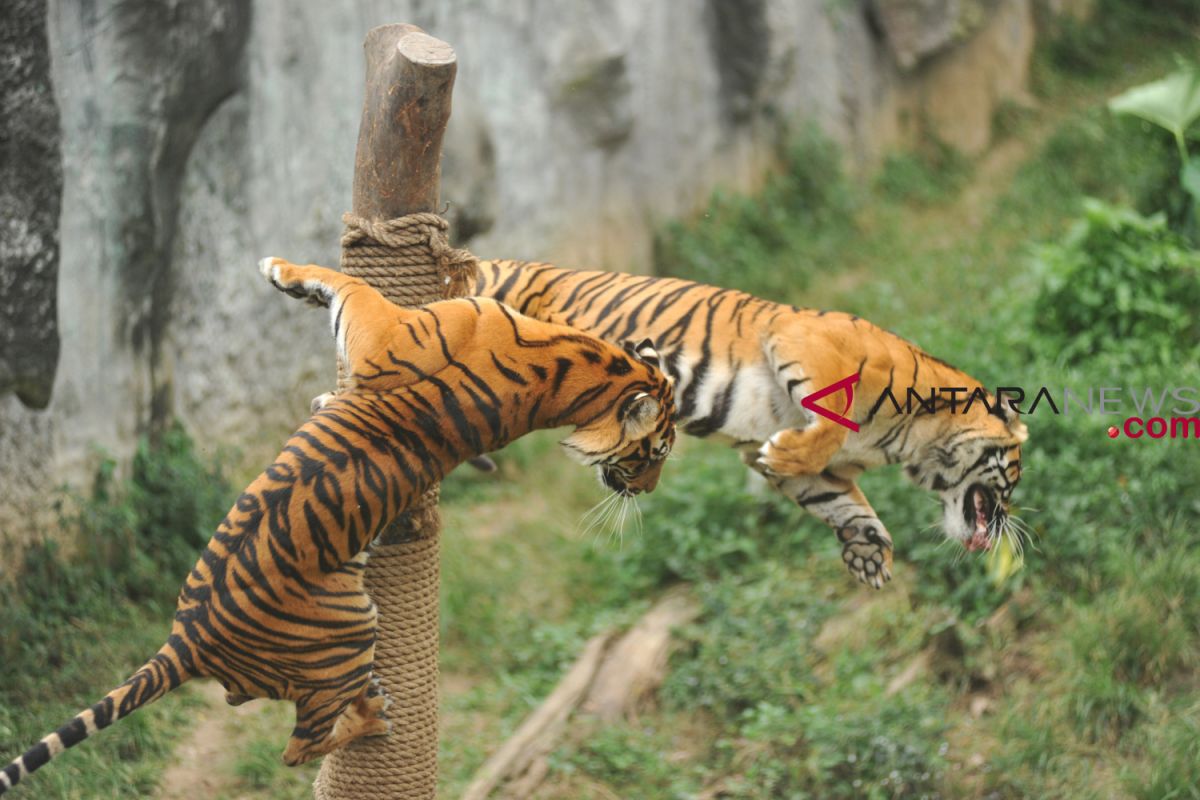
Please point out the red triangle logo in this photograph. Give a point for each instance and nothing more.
(844, 385)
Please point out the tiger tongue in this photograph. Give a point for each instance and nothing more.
(980, 539)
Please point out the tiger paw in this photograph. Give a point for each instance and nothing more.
(786, 454)
(867, 553)
(769, 461)
(373, 710)
(271, 269)
(283, 276)
(378, 697)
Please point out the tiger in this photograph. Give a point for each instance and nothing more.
(757, 375)
(275, 607)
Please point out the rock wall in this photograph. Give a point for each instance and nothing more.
(30, 188)
(199, 136)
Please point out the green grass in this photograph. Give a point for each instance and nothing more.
(632, 760)
(775, 241)
(257, 771)
(91, 617)
(932, 174)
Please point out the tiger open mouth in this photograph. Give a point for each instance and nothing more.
(978, 509)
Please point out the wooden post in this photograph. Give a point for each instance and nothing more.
(410, 77)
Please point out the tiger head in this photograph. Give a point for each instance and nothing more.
(975, 469)
(630, 443)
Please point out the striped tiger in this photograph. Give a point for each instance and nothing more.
(275, 606)
(743, 369)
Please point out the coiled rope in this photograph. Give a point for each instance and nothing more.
(410, 261)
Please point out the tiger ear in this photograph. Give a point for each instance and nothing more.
(1003, 408)
(638, 415)
(644, 351)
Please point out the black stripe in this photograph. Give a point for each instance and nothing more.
(719, 414)
(563, 366)
(501, 291)
(36, 756)
(820, 499)
(73, 732)
(510, 374)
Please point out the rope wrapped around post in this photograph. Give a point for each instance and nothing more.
(410, 261)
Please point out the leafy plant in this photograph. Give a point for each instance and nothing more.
(753, 646)
(702, 523)
(931, 174)
(1100, 44)
(634, 761)
(1122, 284)
(771, 243)
(1172, 103)
(1116, 158)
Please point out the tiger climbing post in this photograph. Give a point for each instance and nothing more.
(395, 241)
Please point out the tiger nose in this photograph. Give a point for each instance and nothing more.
(648, 479)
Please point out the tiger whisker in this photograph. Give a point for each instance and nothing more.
(595, 509)
(617, 528)
(1027, 533)
(610, 518)
(616, 520)
(593, 518)
(637, 516)
(627, 507)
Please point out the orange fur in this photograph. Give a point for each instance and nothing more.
(275, 606)
(743, 367)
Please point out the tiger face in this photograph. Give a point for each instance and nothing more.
(975, 471)
(629, 445)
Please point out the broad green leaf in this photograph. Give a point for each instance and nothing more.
(1190, 178)
(1172, 102)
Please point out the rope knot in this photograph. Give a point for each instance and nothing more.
(409, 259)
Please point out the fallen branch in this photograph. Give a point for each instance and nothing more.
(538, 733)
(636, 665)
(606, 683)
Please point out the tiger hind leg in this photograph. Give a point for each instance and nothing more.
(328, 720)
(316, 285)
(381, 346)
(362, 320)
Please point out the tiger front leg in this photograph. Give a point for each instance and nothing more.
(795, 452)
(866, 543)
